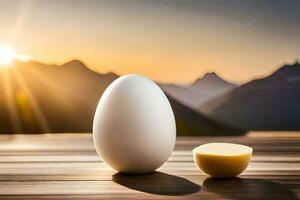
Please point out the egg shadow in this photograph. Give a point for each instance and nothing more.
(157, 183)
(246, 189)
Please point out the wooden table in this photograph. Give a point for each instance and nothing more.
(66, 166)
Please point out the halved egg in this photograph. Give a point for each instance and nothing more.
(222, 160)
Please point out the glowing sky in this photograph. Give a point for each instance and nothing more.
(166, 40)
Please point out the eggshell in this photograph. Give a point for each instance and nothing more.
(134, 127)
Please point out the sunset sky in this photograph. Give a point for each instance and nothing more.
(166, 40)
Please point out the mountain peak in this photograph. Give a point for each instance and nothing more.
(295, 65)
(74, 62)
(288, 70)
(211, 77)
(207, 76)
(212, 85)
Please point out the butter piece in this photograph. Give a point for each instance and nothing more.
(222, 160)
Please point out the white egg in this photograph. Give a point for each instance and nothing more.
(134, 127)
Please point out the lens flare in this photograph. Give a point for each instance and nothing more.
(7, 55)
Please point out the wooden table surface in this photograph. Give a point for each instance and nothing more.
(66, 166)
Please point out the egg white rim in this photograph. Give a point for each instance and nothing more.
(246, 150)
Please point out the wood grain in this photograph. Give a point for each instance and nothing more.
(66, 166)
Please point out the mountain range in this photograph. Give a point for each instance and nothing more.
(50, 98)
(269, 103)
(201, 91)
(39, 98)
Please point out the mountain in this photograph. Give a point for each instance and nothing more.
(270, 103)
(201, 91)
(183, 95)
(212, 84)
(189, 122)
(50, 98)
(38, 98)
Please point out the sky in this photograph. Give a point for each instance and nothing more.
(166, 40)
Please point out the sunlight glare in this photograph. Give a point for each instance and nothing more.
(7, 55)
(23, 57)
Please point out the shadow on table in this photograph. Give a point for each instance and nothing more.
(245, 189)
(157, 183)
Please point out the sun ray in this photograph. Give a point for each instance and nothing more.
(23, 57)
(10, 103)
(33, 103)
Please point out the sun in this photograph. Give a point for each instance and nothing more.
(7, 55)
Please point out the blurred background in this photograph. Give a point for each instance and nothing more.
(227, 67)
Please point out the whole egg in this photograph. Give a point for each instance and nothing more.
(134, 127)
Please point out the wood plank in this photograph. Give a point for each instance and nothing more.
(182, 157)
(66, 166)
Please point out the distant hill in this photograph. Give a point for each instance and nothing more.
(201, 91)
(51, 98)
(190, 122)
(211, 85)
(37, 98)
(183, 95)
(270, 103)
